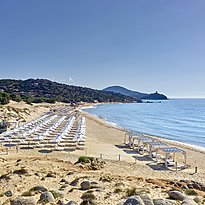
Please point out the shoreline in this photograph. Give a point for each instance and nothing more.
(168, 141)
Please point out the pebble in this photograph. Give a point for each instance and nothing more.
(147, 200)
(189, 202)
(134, 200)
(8, 193)
(199, 199)
(163, 202)
(47, 197)
(85, 185)
(177, 195)
(23, 201)
(64, 181)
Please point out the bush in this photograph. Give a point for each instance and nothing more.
(15, 97)
(191, 192)
(131, 191)
(4, 98)
(84, 159)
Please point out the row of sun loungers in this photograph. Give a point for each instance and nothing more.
(156, 149)
(52, 131)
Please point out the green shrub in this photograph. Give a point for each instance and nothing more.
(134, 191)
(131, 191)
(191, 192)
(84, 159)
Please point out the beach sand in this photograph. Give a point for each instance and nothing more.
(123, 165)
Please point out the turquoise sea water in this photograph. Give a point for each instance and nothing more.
(180, 120)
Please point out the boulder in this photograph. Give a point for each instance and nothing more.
(8, 193)
(85, 185)
(23, 201)
(47, 197)
(147, 200)
(163, 202)
(199, 199)
(177, 195)
(189, 202)
(134, 200)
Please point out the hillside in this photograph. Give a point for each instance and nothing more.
(42, 90)
(135, 94)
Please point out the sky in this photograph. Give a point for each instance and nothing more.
(143, 45)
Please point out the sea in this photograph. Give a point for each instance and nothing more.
(181, 120)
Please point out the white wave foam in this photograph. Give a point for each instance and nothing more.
(89, 107)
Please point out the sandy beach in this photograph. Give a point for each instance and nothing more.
(122, 165)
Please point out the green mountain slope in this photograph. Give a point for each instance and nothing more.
(135, 94)
(42, 90)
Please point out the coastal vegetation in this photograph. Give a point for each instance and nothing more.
(43, 90)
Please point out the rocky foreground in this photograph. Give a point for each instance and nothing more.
(43, 180)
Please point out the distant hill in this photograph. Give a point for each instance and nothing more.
(135, 94)
(42, 90)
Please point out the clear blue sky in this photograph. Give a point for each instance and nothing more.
(145, 45)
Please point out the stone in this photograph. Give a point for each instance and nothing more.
(85, 185)
(52, 175)
(64, 181)
(37, 174)
(163, 202)
(88, 197)
(8, 193)
(21, 171)
(190, 185)
(185, 187)
(177, 195)
(57, 194)
(23, 201)
(189, 202)
(197, 186)
(71, 203)
(134, 200)
(47, 197)
(199, 199)
(147, 200)
(184, 181)
(60, 202)
(74, 182)
(39, 189)
(203, 187)
(95, 185)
